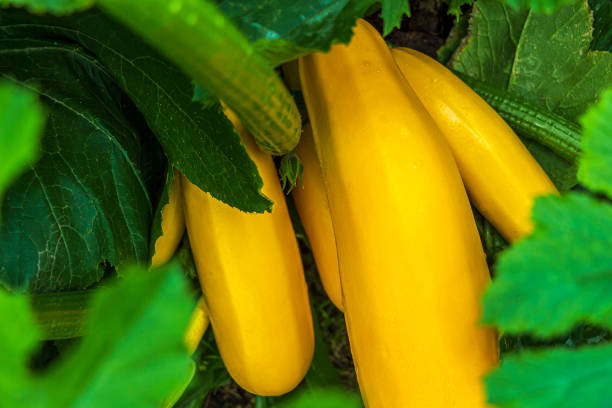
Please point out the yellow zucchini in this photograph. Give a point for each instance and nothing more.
(411, 263)
(172, 224)
(197, 326)
(253, 283)
(311, 203)
(499, 173)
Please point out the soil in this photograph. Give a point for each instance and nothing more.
(426, 31)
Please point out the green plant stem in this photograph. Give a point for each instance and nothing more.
(61, 315)
(205, 44)
(549, 129)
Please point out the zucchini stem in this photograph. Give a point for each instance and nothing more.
(207, 46)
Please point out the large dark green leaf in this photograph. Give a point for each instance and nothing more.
(84, 203)
(544, 58)
(282, 30)
(201, 143)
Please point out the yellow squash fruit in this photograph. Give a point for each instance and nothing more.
(172, 225)
(411, 263)
(253, 283)
(311, 203)
(499, 173)
(197, 326)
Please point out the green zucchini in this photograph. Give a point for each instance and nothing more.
(549, 129)
(205, 44)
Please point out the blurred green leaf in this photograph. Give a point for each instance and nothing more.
(19, 335)
(22, 121)
(49, 6)
(559, 378)
(323, 398)
(546, 6)
(596, 162)
(560, 274)
(131, 355)
(133, 352)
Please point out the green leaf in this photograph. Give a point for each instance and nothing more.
(558, 378)
(49, 6)
(19, 335)
(454, 7)
(558, 276)
(210, 374)
(282, 30)
(602, 29)
(544, 58)
(84, 203)
(323, 398)
(22, 121)
(201, 143)
(453, 41)
(596, 162)
(133, 353)
(392, 13)
(546, 6)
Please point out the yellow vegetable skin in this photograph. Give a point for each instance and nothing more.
(197, 326)
(411, 263)
(172, 224)
(253, 283)
(311, 203)
(499, 173)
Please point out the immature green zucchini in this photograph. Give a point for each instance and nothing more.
(549, 129)
(201, 40)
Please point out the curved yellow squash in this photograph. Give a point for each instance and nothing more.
(253, 283)
(311, 203)
(411, 263)
(172, 224)
(499, 173)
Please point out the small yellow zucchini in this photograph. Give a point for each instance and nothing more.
(311, 203)
(253, 283)
(197, 326)
(411, 263)
(499, 173)
(172, 225)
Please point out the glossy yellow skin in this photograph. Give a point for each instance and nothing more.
(411, 263)
(173, 225)
(311, 203)
(253, 283)
(197, 326)
(499, 173)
